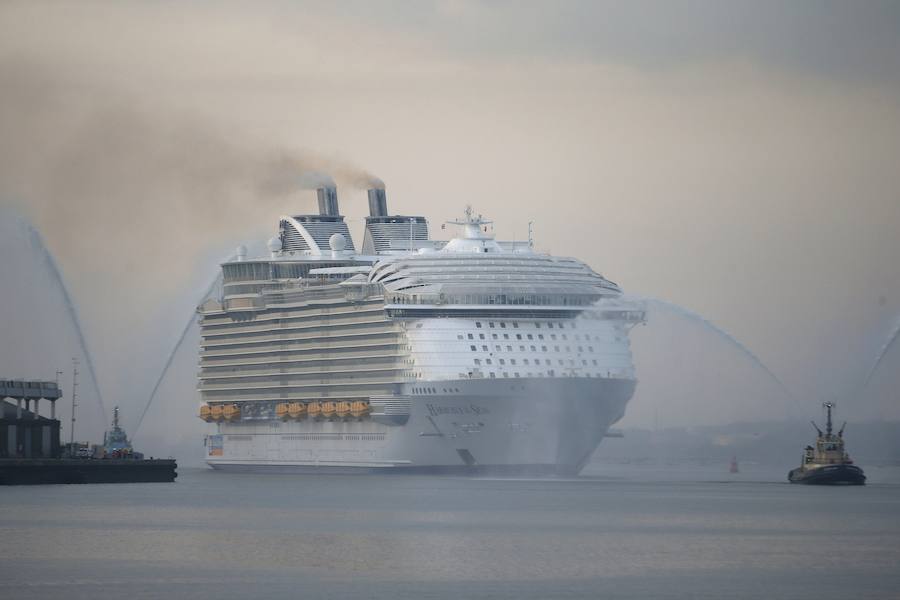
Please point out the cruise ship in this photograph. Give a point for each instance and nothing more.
(410, 354)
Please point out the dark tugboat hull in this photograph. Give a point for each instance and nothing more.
(828, 475)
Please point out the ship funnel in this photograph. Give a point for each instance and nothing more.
(377, 203)
(328, 204)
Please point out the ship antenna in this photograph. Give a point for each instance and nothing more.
(828, 406)
(819, 431)
(74, 404)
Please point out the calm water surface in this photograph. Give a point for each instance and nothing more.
(617, 532)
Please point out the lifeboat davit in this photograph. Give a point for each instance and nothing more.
(231, 412)
(281, 411)
(296, 410)
(359, 409)
(313, 410)
(215, 412)
(329, 409)
(342, 409)
(205, 413)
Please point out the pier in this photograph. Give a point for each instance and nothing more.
(30, 451)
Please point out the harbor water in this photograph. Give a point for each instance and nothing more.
(619, 531)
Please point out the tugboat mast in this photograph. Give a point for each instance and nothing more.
(828, 406)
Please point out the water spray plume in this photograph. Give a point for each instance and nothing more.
(190, 323)
(895, 333)
(37, 243)
(680, 310)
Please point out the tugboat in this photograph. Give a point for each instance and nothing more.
(116, 443)
(828, 463)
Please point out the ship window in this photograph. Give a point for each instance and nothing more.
(459, 337)
(491, 324)
(493, 336)
(518, 336)
(484, 348)
(537, 325)
(471, 337)
(473, 348)
(493, 375)
(478, 324)
(481, 336)
(505, 374)
(477, 361)
(595, 362)
(590, 348)
(540, 336)
(553, 336)
(502, 362)
(525, 361)
(497, 348)
(530, 337)
(584, 362)
(502, 325)
(533, 349)
(488, 361)
(515, 324)
(505, 336)
(512, 361)
(515, 374)
(549, 325)
(521, 348)
(551, 373)
(543, 348)
(509, 348)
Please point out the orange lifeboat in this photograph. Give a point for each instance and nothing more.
(313, 410)
(296, 410)
(359, 409)
(342, 409)
(328, 409)
(215, 412)
(205, 413)
(231, 412)
(281, 411)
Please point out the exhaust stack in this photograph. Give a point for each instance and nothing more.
(377, 203)
(328, 203)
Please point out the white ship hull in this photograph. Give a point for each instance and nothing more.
(547, 426)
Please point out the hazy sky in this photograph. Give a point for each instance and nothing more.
(740, 159)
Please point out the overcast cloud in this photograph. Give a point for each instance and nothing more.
(740, 159)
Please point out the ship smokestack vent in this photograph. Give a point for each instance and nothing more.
(328, 203)
(377, 203)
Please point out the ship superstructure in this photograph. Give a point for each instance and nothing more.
(468, 355)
